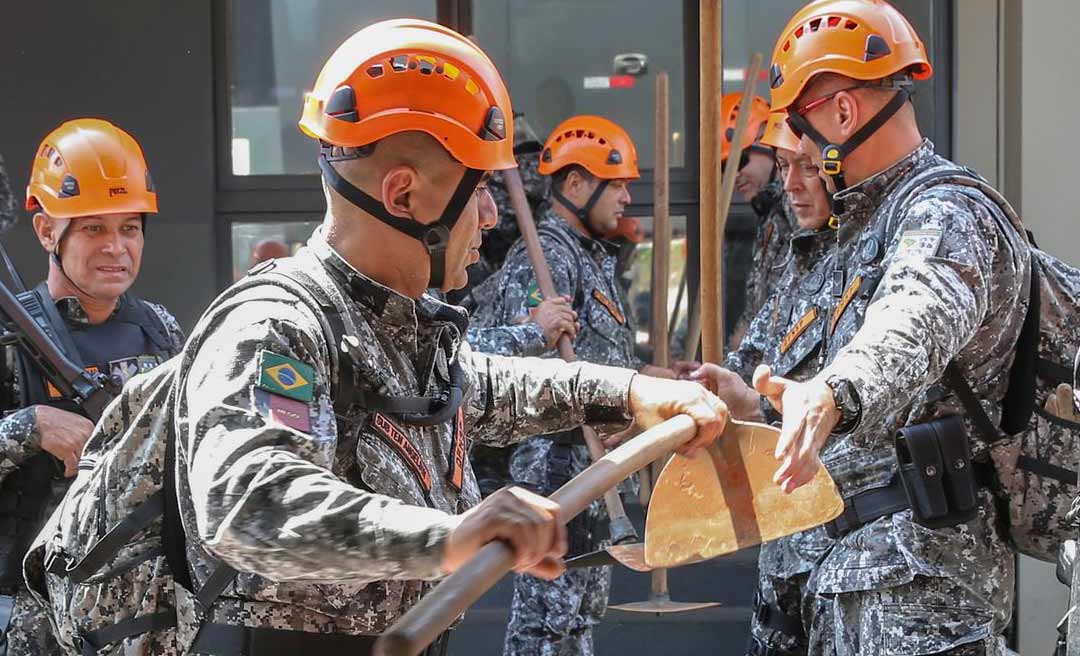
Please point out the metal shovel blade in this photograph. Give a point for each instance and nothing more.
(661, 605)
(659, 601)
(723, 499)
(631, 556)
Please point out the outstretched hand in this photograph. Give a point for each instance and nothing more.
(809, 416)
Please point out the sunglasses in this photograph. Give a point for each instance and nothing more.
(811, 106)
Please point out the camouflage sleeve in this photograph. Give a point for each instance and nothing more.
(7, 200)
(519, 279)
(523, 339)
(751, 351)
(1076, 382)
(19, 439)
(265, 498)
(949, 267)
(172, 326)
(515, 398)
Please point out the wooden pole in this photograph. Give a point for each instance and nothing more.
(419, 627)
(712, 347)
(661, 263)
(661, 275)
(709, 292)
(620, 526)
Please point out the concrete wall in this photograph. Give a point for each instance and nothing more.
(1015, 104)
(1050, 140)
(145, 66)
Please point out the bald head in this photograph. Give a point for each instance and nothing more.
(846, 107)
(416, 150)
(871, 99)
(413, 177)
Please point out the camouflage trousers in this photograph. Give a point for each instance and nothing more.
(30, 632)
(556, 618)
(928, 615)
(776, 624)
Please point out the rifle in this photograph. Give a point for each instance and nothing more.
(90, 391)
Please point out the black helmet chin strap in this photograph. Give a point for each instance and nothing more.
(832, 155)
(582, 213)
(434, 236)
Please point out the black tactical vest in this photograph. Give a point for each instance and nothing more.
(133, 340)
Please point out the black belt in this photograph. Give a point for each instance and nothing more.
(865, 507)
(228, 640)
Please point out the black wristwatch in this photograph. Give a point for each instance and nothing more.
(847, 402)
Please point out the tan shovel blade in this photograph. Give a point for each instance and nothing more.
(723, 499)
(631, 556)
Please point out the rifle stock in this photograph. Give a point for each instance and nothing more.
(85, 389)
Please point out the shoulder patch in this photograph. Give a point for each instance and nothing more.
(609, 305)
(280, 374)
(283, 410)
(923, 243)
(533, 297)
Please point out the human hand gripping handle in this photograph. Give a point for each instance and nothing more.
(809, 417)
(556, 318)
(689, 417)
(63, 434)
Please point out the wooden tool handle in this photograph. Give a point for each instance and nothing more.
(710, 54)
(438, 610)
(523, 213)
(661, 251)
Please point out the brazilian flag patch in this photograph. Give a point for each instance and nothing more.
(534, 297)
(279, 374)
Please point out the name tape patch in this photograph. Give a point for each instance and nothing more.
(609, 305)
(798, 329)
(396, 438)
(845, 300)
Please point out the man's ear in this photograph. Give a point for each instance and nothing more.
(47, 230)
(848, 113)
(398, 191)
(576, 184)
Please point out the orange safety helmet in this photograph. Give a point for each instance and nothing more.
(404, 75)
(409, 74)
(88, 167)
(596, 144)
(729, 113)
(778, 133)
(599, 146)
(861, 39)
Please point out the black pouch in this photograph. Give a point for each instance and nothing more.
(937, 473)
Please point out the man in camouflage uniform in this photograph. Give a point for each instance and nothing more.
(527, 335)
(787, 333)
(499, 239)
(591, 160)
(94, 237)
(940, 278)
(337, 525)
(756, 182)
